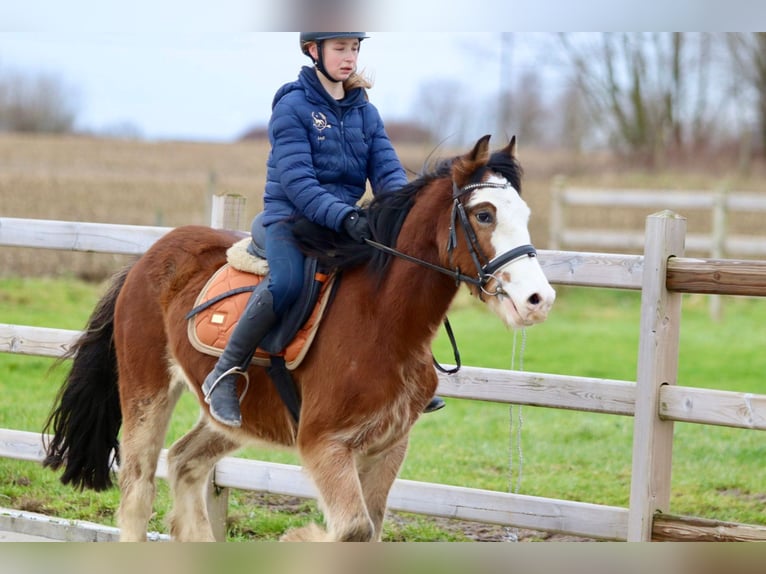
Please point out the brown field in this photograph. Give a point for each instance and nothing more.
(170, 183)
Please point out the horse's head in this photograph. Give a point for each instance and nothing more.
(489, 235)
(483, 241)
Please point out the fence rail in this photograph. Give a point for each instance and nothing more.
(78, 236)
(662, 273)
(721, 203)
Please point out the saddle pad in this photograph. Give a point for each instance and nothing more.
(209, 330)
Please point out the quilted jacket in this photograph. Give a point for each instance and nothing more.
(323, 152)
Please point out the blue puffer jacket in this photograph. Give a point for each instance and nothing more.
(323, 152)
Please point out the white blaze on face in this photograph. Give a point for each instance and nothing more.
(525, 294)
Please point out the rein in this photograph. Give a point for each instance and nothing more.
(484, 273)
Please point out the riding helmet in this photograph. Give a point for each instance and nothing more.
(307, 37)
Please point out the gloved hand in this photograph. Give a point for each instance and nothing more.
(357, 226)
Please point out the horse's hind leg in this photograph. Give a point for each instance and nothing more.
(190, 460)
(145, 424)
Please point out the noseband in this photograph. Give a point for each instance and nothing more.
(484, 272)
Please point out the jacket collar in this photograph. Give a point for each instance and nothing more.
(315, 92)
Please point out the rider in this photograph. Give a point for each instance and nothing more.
(327, 140)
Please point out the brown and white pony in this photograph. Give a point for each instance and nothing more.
(363, 383)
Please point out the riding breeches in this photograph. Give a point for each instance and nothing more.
(286, 266)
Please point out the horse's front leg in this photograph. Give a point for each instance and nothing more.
(377, 474)
(331, 465)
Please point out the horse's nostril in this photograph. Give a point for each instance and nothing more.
(534, 299)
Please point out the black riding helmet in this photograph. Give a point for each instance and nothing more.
(319, 38)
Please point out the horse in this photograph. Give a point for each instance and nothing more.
(363, 383)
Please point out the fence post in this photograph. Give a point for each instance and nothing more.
(657, 366)
(718, 244)
(556, 223)
(217, 499)
(226, 211)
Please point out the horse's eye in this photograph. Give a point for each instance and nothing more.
(485, 218)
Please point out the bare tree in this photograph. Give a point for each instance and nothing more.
(441, 110)
(530, 108)
(504, 107)
(648, 92)
(748, 51)
(572, 128)
(40, 103)
(525, 110)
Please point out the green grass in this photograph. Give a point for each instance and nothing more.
(717, 472)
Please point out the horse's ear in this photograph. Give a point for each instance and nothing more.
(467, 164)
(480, 152)
(510, 149)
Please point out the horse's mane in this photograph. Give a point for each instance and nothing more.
(386, 214)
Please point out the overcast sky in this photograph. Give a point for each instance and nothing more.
(214, 86)
(197, 69)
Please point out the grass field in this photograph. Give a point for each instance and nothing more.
(717, 472)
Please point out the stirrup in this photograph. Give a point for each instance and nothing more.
(232, 371)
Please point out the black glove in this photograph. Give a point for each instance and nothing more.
(357, 226)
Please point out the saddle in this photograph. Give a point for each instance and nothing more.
(224, 297)
(222, 300)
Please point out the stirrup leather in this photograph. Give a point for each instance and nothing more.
(232, 371)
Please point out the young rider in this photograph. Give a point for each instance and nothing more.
(327, 140)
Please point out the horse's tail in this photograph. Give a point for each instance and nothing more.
(85, 424)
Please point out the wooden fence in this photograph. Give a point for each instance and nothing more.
(653, 399)
(721, 203)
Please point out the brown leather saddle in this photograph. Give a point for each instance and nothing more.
(223, 299)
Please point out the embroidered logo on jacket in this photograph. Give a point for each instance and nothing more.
(320, 121)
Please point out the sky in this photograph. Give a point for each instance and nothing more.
(195, 69)
(215, 85)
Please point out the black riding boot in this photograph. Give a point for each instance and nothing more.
(220, 386)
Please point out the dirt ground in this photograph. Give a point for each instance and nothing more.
(473, 531)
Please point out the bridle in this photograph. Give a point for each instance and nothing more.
(484, 272)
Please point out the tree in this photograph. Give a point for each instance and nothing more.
(572, 130)
(441, 110)
(527, 109)
(36, 104)
(648, 92)
(748, 51)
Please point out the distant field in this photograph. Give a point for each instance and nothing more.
(170, 183)
(84, 179)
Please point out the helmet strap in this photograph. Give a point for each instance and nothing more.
(320, 62)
